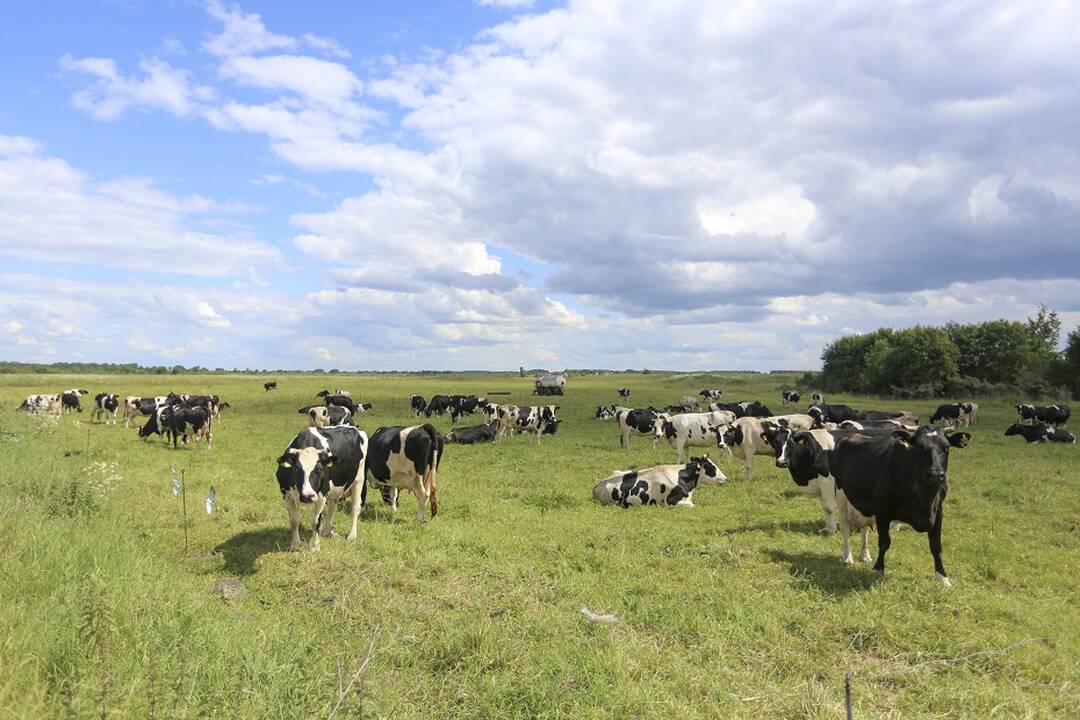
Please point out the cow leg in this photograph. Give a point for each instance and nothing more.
(624, 440)
(421, 492)
(845, 529)
(433, 489)
(320, 506)
(883, 542)
(748, 455)
(827, 489)
(935, 550)
(864, 539)
(293, 508)
(358, 495)
(327, 529)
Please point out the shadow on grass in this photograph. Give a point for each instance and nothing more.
(826, 572)
(809, 527)
(243, 550)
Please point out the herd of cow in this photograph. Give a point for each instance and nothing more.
(867, 468)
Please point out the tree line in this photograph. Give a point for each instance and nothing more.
(958, 360)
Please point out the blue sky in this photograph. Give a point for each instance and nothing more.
(468, 184)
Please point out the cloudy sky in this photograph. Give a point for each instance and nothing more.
(452, 184)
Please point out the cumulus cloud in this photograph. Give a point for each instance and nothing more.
(52, 211)
(160, 86)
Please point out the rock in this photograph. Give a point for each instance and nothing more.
(229, 589)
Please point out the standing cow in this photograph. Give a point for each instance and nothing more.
(636, 421)
(322, 466)
(790, 397)
(417, 404)
(105, 405)
(406, 458)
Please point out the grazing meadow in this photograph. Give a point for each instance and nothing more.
(737, 608)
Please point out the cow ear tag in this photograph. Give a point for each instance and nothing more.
(286, 464)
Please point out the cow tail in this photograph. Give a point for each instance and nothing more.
(431, 471)
(24, 406)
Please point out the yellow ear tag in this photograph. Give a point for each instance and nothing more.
(286, 464)
(906, 444)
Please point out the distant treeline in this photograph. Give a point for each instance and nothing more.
(91, 368)
(958, 360)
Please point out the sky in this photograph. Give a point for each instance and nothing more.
(461, 184)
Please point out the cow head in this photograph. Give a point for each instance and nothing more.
(664, 429)
(728, 436)
(306, 471)
(930, 448)
(776, 436)
(816, 414)
(322, 393)
(701, 470)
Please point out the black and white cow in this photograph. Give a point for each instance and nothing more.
(747, 408)
(473, 434)
(665, 485)
(158, 423)
(624, 394)
(900, 476)
(824, 412)
(606, 412)
(710, 394)
(135, 405)
(438, 405)
(322, 466)
(105, 405)
(638, 421)
(1055, 415)
(341, 401)
(539, 419)
(505, 415)
(417, 404)
(1040, 433)
(336, 391)
(692, 430)
(950, 413)
(406, 458)
(270, 386)
(817, 398)
(190, 423)
(805, 454)
(465, 405)
(44, 404)
(327, 415)
(971, 413)
(70, 399)
(746, 436)
(790, 397)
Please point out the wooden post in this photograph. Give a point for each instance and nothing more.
(847, 696)
(183, 492)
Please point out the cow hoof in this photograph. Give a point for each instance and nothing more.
(867, 559)
(943, 580)
(848, 561)
(351, 536)
(828, 530)
(295, 547)
(328, 533)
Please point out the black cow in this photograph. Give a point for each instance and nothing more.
(158, 423)
(417, 404)
(270, 386)
(188, 423)
(824, 412)
(406, 458)
(321, 466)
(341, 401)
(105, 404)
(438, 405)
(624, 393)
(747, 408)
(1049, 414)
(790, 397)
(951, 413)
(473, 434)
(69, 400)
(1040, 433)
(900, 476)
(464, 405)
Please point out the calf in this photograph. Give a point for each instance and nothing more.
(900, 476)
(270, 386)
(710, 394)
(624, 393)
(474, 434)
(417, 404)
(636, 421)
(692, 430)
(746, 436)
(952, 414)
(105, 404)
(327, 415)
(1040, 433)
(322, 466)
(406, 458)
(671, 485)
(539, 419)
(790, 397)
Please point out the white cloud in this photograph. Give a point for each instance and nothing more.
(319, 81)
(52, 211)
(242, 33)
(111, 94)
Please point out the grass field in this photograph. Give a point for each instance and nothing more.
(737, 608)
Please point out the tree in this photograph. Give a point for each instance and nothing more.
(1045, 331)
(1071, 374)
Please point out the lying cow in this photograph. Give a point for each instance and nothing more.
(710, 394)
(322, 466)
(746, 436)
(417, 404)
(327, 415)
(692, 430)
(671, 485)
(606, 412)
(105, 404)
(406, 458)
(636, 421)
(790, 397)
(749, 408)
(1041, 433)
(900, 476)
(44, 404)
(474, 434)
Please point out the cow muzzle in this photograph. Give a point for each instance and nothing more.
(781, 463)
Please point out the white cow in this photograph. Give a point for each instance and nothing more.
(671, 485)
(745, 436)
(692, 429)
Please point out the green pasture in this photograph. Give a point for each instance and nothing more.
(738, 608)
